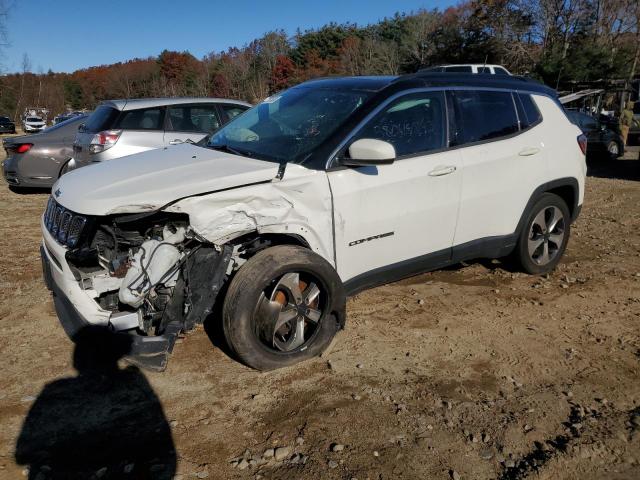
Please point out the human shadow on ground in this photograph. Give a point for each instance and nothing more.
(106, 422)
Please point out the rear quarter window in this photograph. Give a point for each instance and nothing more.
(484, 115)
(530, 114)
(141, 119)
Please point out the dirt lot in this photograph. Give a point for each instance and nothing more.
(474, 372)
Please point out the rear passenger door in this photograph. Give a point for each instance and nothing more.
(504, 161)
(190, 122)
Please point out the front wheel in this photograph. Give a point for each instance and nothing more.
(544, 237)
(282, 307)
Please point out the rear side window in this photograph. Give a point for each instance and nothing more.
(193, 118)
(484, 115)
(101, 119)
(232, 111)
(142, 119)
(530, 114)
(413, 124)
(484, 70)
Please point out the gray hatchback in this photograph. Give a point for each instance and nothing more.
(123, 127)
(38, 160)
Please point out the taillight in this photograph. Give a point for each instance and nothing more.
(104, 140)
(582, 141)
(18, 147)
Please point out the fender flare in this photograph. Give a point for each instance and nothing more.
(545, 187)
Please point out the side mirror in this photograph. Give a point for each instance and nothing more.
(369, 152)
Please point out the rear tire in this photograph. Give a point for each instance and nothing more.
(282, 307)
(545, 234)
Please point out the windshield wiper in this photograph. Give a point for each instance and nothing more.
(228, 149)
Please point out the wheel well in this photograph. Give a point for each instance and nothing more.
(568, 194)
(252, 243)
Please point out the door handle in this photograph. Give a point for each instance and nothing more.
(176, 142)
(527, 152)
(440, 171)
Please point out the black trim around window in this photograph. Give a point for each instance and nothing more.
(452, 127)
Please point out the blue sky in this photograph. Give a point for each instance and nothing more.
(65, 35)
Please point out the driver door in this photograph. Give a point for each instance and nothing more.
(396, 220)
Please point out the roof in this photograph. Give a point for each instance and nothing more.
(432, 79)
(131, 103)
(510, 82)
(372, 83)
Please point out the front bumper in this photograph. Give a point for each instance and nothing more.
(74, 306)
(76, 309)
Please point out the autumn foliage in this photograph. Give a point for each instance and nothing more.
(552, 40)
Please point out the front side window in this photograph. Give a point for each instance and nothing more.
(193, 118)
(500, 71)
(484, 115)
(289, 126)
(413, 124)
(142, 119)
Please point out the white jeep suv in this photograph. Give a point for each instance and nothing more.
(331, 187)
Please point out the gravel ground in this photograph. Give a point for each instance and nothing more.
(473, 372)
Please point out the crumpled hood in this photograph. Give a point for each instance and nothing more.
(149, 180)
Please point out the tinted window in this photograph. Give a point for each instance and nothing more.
(193, 118)
(232, 110)
(33, 119)
(4, 119)
(143, 119)
(462, 69)
(500, 71)
(484, 70)
(412, 124)
(531, 113)
(101, 119)
(484, 115)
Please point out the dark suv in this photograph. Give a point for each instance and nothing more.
(6, 125)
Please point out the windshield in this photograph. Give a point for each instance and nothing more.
(287, 127)
(34, 119)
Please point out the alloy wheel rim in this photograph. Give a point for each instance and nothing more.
(546, 235)
(613, 148)
(288, 313)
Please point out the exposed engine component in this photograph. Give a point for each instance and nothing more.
(157, 262)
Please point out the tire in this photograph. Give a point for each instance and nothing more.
(613, 150)
(541, 231)
(263, 293)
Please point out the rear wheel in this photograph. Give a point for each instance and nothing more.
(281, 307)
(544, 237)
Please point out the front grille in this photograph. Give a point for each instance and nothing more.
(64, 225)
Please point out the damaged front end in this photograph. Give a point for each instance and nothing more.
(149, 274)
